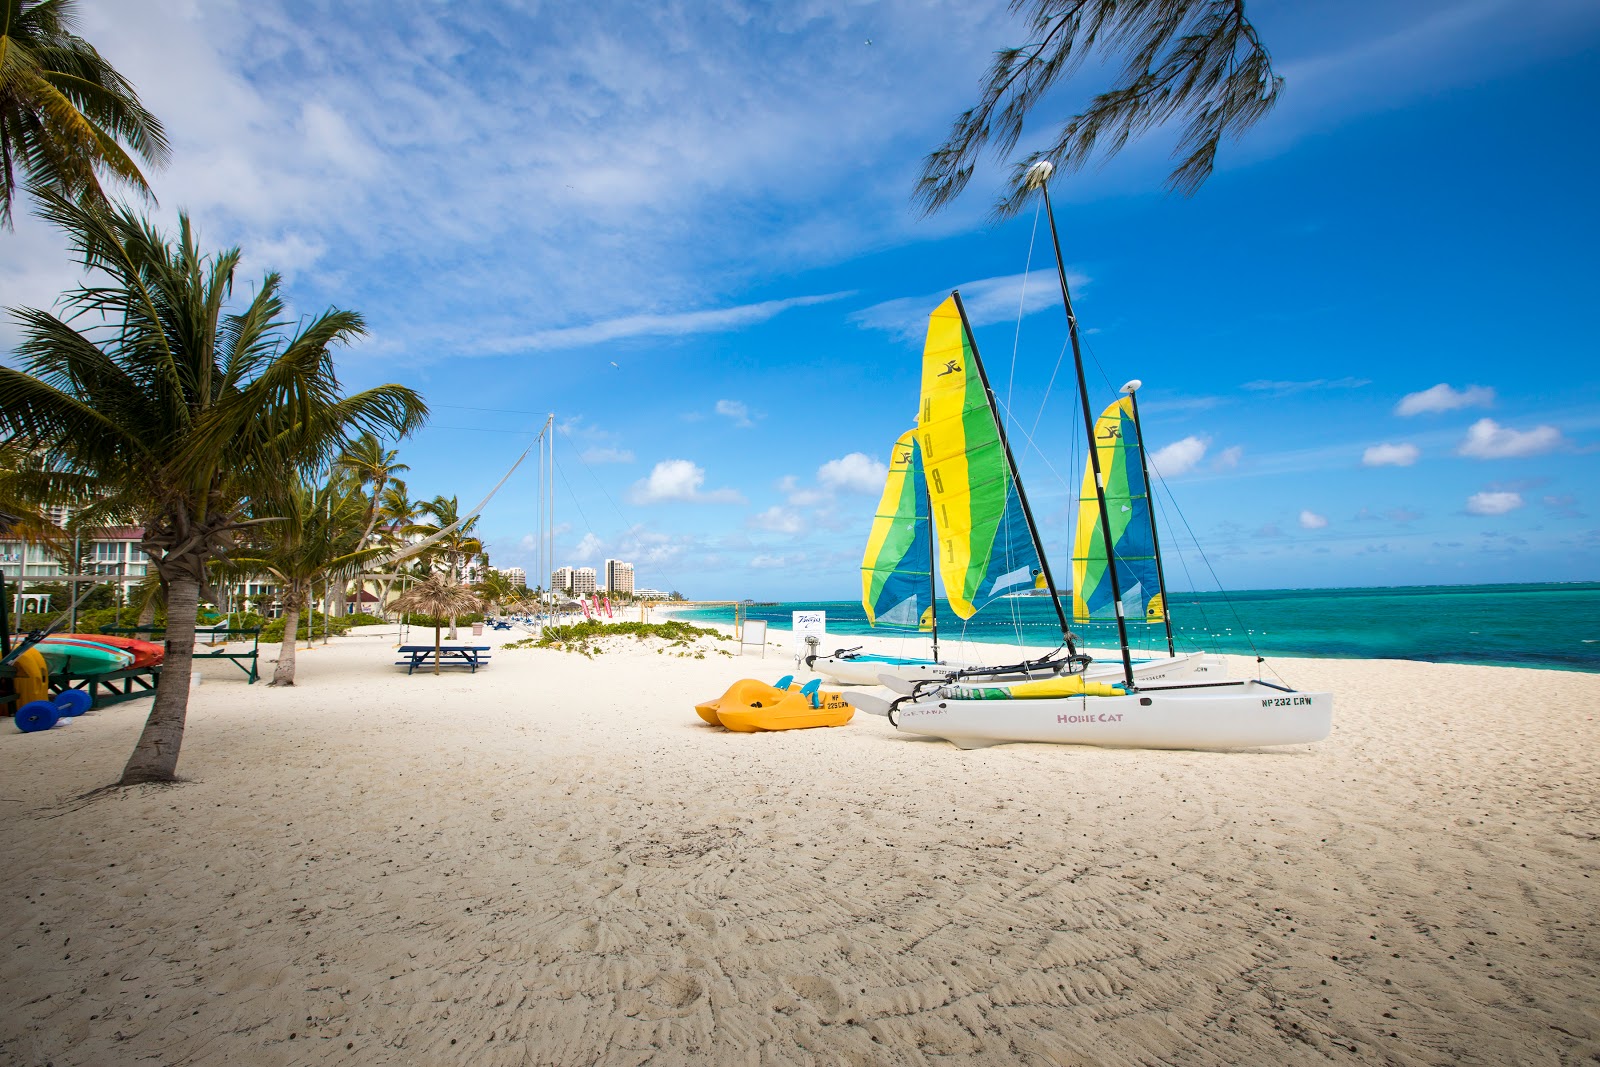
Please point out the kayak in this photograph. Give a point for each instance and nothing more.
(145, 653)
(67, 655)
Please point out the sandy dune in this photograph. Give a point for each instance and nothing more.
(555, 862)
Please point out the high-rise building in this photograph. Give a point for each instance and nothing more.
(515, 575)
(619, 576)
(582, 581)
(561, 580)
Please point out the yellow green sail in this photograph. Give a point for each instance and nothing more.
(986, 549)
(897, 569)
(1132, 536)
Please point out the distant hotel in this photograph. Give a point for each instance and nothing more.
(515, 575)
(619, 576)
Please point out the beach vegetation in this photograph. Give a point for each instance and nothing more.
(1197, 61)
(580, 637)
(67, 117)
(162, 405)
(314, 538)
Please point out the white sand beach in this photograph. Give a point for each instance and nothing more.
(554, 861)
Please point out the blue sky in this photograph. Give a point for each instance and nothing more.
(1367, 344)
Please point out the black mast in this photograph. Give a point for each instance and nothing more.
(1011, 465)
(1132, 389)
(1038, 175)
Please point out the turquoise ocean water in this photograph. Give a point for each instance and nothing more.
(1555, 625)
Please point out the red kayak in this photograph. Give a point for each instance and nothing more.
(145, 653)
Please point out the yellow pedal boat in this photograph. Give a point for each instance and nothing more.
(750, 705)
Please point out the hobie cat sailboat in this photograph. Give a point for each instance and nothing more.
(956, 474)
(972, 712)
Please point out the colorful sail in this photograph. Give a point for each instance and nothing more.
(897, 570)
(1132, 537)
(985, 547)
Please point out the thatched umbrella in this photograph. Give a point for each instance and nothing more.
(437, 595)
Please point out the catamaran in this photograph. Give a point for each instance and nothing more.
(897, 568)
(972, 710)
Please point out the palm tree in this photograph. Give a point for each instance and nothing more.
(316, 538)
(456, 549)
(179, 413)
(1199, 60)
(374, 465)
(65, 113)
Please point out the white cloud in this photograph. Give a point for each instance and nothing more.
(987, 301)
(736, 410)
(1493, 503)
(1179, 457)
(1387, 455)
(855, 473)
(1228, 458)
(1277, 388)
(778, 519)
(766, 562)
(1310, 520)
(607, 455)
(588, 547)
(679, 479)
(1443, 398)
(671, 324)
(1487, 439)
(800, 496)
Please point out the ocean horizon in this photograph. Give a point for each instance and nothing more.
(1554, 625)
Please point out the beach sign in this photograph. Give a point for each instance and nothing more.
(808, 624)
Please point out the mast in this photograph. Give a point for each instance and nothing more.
(1039, 175)
(1022, 497)
(1132, 389)
(933, 562)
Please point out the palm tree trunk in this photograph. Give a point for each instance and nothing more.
(283, 674)
(155, 757)
(147, 614)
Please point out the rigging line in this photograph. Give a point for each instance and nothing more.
(411, 550)
(627, 524)
(1022, 307)
(504, 411)
(475, 429)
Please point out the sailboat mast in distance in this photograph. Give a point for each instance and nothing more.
(1039, 176)
(1132, 389)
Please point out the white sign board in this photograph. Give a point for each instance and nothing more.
(754, 633)
(814, 623)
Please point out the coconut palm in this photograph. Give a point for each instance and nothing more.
(315, 538)
(438, 595)
(65, 113)
(457, 548)
(1197, 60)
(164, 406)
(374, 465)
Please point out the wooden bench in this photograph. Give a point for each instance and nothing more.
(238, 659)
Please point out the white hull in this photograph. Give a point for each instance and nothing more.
(1190, 666)
(1239, 715)
(866, 672)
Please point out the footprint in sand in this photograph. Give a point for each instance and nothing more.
(679, 992)
(703, 921)
(823, 994)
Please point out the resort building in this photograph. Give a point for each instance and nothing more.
(651, 594)
(619, 576)
(582, 581)
(113, 553)
(561, 580)
(515, 575)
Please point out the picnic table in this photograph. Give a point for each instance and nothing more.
(415, 656)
